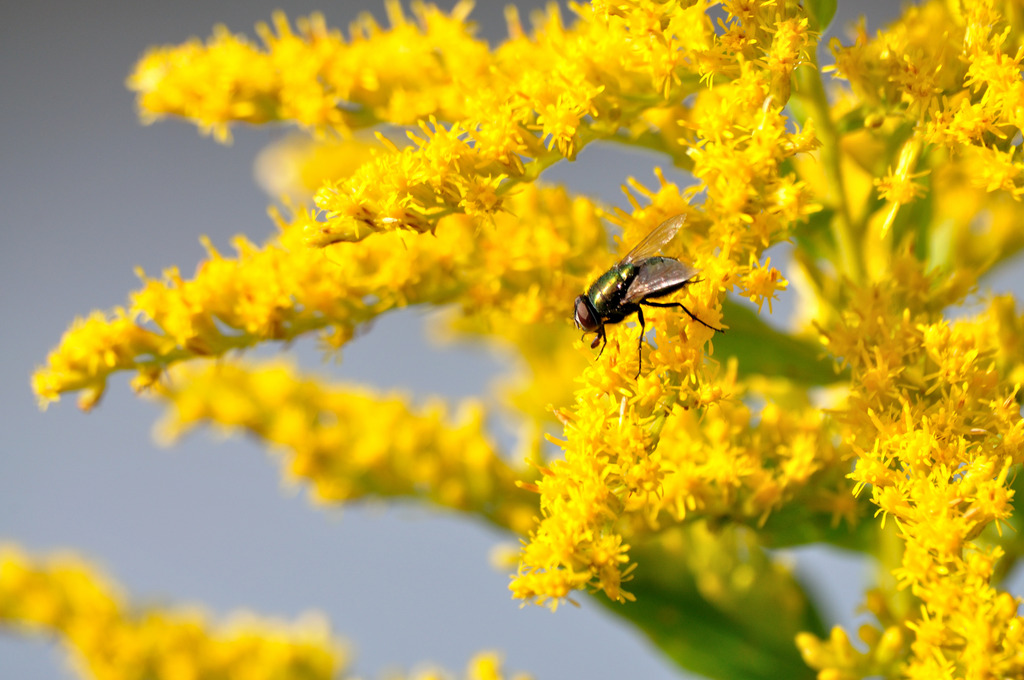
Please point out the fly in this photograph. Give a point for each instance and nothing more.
(637, 278)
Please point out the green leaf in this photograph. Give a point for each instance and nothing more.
(821, 13)
(814, 236)
(717, 604)
(794, 524)
(762, 350)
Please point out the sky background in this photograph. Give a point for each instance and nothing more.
(88, 194)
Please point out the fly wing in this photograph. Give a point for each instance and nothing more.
(659, 277)
(653, 243)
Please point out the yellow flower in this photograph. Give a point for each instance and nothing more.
(900, 189)
(284, 290)
(345, 442)
(63, 596)
(762, 283)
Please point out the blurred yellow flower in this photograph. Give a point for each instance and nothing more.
(62, 595)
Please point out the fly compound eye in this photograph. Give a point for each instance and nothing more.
(584, 318)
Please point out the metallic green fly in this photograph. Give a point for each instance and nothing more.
(637, 278)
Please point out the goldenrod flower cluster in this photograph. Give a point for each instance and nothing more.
(113, 641)
(349, 443)
(874, 421)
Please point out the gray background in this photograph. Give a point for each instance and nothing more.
(88, 194)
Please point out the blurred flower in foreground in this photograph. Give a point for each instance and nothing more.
(873, 421)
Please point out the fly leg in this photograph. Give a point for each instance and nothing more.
(600, 338)
(640, 343)
(682, 307)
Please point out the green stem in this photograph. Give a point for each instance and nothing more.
(811, 92)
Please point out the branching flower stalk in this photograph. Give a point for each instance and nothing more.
(872, 421)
